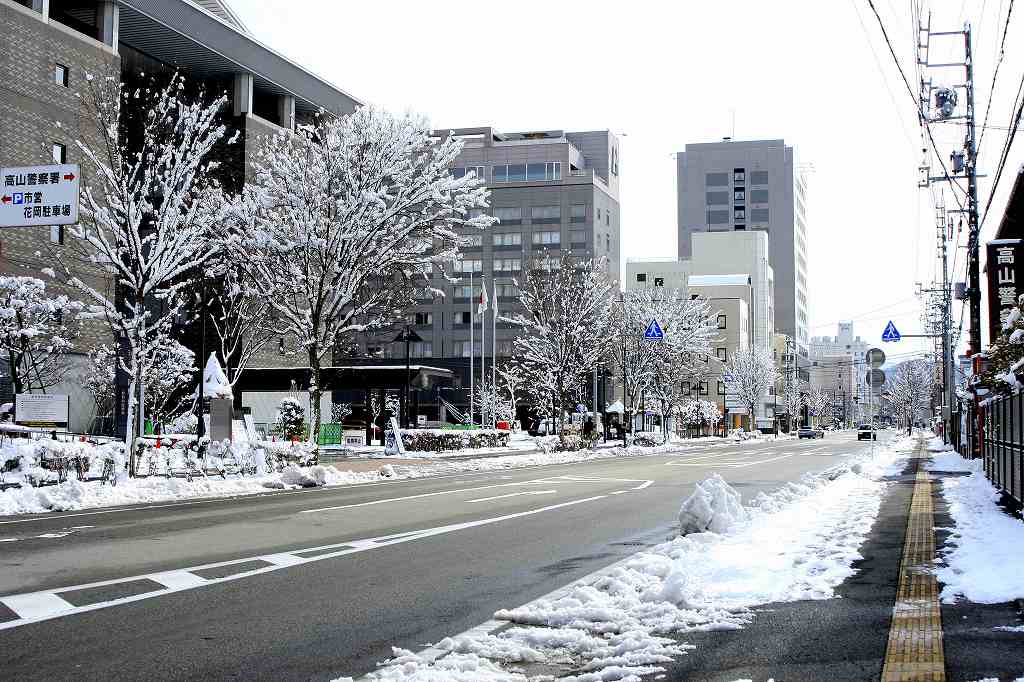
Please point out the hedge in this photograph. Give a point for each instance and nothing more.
(444, 440)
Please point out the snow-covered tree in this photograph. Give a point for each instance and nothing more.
(698, 413)
(794, 397)
(511, 384)
(910, 388)
(98, 379)
(36, 332)
(290, 418)
(343, 217)
(168, 369)
(148, 203)
(820, 404)
(657, 369)
(566, 330)
(491, 401)
(1006, 354)
(752, 373)
(240, 317)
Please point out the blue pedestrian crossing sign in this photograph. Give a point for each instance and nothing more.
(654, 332)
(890, 333)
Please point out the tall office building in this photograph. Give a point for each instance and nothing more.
(731, 185)
(551, 191)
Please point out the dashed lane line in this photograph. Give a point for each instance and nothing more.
(521, 492)
(34, 607)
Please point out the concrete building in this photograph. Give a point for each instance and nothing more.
(847, 349)
(51, 46)
(751, 186)
(836, 375)
(552, 191)
(731, 270)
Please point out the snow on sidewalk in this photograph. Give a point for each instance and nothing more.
(73, 495)
(797, 543)
(984, 553)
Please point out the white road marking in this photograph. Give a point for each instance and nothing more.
(524, 492)
(47, 604)
(762, 461)
(8, 539)
(414, 497)
(36, 606)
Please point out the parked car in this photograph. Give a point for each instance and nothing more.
(810, 432)
(866, 432)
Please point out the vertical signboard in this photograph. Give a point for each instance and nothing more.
(1004, 257)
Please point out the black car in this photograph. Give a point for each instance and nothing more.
(866, 432)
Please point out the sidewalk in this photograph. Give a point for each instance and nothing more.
(888, 622)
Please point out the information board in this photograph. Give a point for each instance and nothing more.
(39, 195)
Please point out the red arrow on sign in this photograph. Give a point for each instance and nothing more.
(6, 199)
(69, 176)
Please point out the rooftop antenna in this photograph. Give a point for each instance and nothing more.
(733, 133)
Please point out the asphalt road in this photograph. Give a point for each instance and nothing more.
(321, 583)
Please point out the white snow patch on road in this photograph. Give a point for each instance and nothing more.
(985, 541)
(798, 543)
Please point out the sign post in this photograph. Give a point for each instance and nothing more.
(39, 195)
(41, 410)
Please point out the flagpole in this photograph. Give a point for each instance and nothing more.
(471, 346)
(483, 349)
(494, 356)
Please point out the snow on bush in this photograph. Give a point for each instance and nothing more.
(714, 505)
(441, 440)
(290, 418)
(986, 543)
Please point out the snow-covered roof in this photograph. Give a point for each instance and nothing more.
(719, 280)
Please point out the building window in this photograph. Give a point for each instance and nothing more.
(463, 171)
(739, 176)
(60, 75)
(716, 198)
(608, 242)
(467, 265)
(703, 388)
(60, 153)
(578, 237)
(641, 276)
(461, 349)
(546, 214)
(536, 172)
(599, 215)
(607, 218)
(758, 177)
(759, 215)
(463, 291)
(739, 213)
(509, 215)
(659, 281)
(508, 238)
(57, 234)
(739, 195)
(464, 317)
(511, 172)
(741, 227)
(716, 179)
(506, 291)
(722, 354)
(759, 196)
(423, 319)
(718, 217)
(473, 241)
(722, 321)
(547, 237)
(505, 348)
(577, 213)
(720, 388)
(508, 264)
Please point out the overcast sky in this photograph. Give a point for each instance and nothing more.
(814, 72)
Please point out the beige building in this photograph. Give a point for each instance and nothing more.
(731, 270)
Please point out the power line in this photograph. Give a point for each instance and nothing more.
(995, 74)
(1019, 109)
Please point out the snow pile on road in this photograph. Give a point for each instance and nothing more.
(986, 542)
(797, 543)
(714, 506)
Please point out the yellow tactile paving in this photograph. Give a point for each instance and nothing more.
(914, 652)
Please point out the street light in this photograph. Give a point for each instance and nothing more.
(409, 336)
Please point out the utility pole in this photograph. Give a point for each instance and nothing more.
(938, 103)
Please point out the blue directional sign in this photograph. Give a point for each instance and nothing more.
(891, 333)
(653, 332)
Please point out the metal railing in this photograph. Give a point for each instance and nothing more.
(995, 434)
